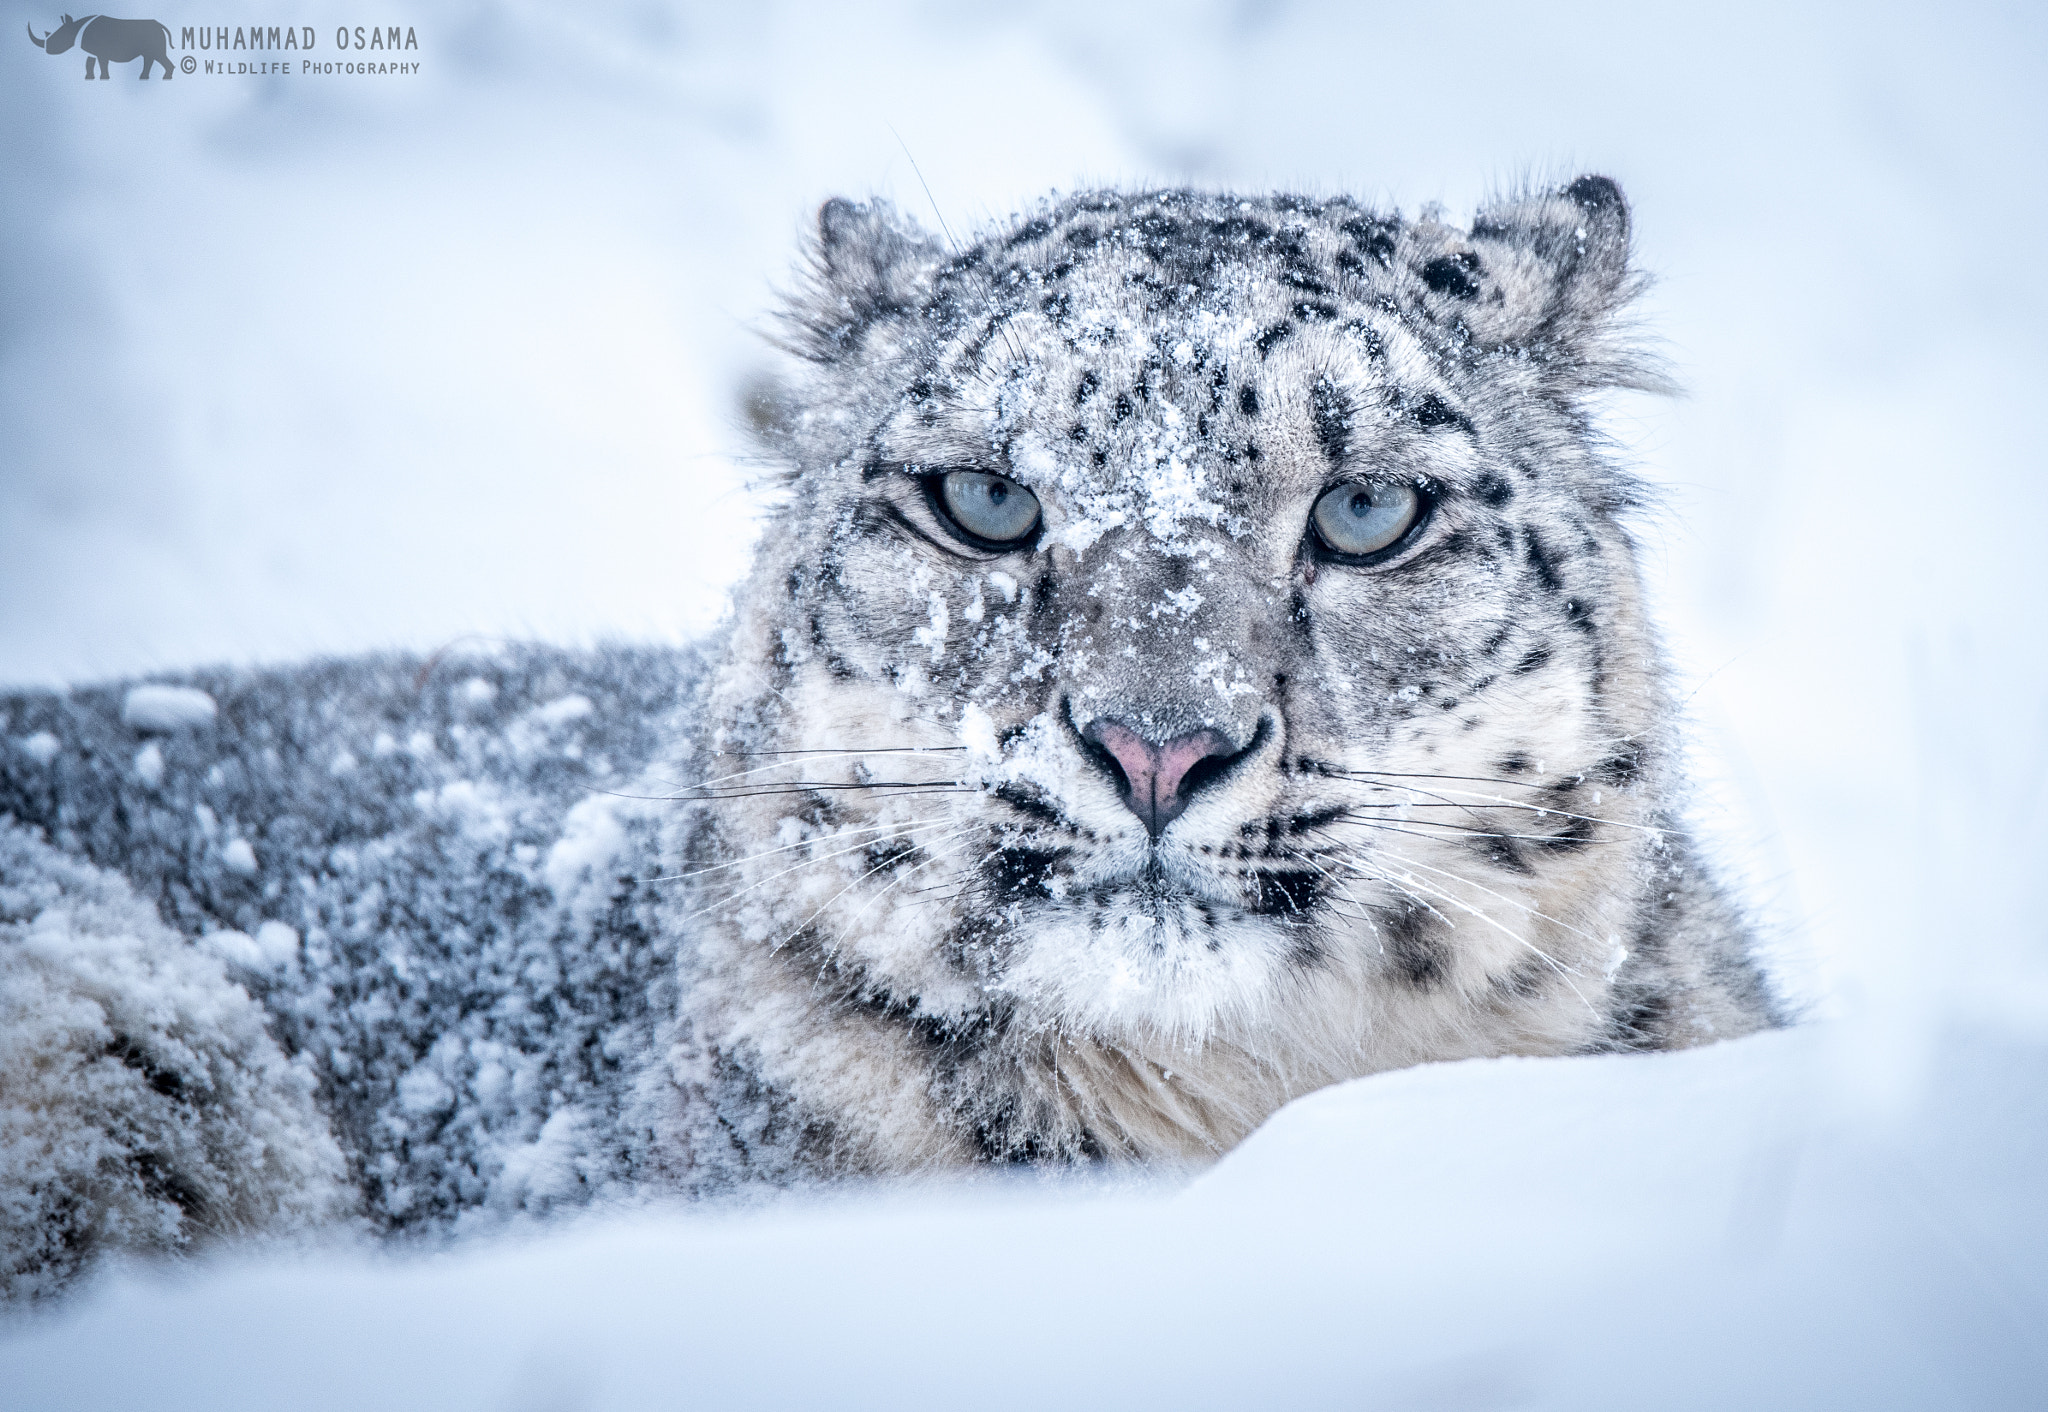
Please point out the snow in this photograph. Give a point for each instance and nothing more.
(402, 365)
(167, 708)
(1709, 1229)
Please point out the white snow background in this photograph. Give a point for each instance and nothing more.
(310, 365)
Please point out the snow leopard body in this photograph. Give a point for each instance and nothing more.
(426, 945)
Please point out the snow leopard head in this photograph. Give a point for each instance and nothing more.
(1181, 601)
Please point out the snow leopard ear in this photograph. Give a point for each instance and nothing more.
(1548, 273)
(869, 264)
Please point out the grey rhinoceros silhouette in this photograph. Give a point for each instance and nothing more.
(106, 41)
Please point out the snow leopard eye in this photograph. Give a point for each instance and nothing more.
(1358, 518)
(991, 511)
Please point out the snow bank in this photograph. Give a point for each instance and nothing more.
(1710, 1229)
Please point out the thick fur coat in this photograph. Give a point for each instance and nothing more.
(1198, 656)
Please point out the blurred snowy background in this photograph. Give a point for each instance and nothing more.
(304, 365)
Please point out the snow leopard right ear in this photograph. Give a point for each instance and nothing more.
(869, 265)
(1548, 273)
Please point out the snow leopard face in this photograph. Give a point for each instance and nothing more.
(1185, 605)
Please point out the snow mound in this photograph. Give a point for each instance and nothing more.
(1716, 1228)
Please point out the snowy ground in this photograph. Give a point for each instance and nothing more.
(1700, 1230)
(294, 365)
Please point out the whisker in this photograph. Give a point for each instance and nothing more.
(805, 843)
(1464, 829)
(1564, 972)
(1364, 916)
(821, 786)
(820, 910)
(1496, 801)
(731, 897)
(827, 754)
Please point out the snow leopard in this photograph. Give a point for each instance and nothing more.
(1202, 658)
(1196, 654)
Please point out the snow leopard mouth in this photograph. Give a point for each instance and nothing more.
(1158, 887)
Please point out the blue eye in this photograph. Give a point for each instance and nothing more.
(990, 508)
(1364, 518)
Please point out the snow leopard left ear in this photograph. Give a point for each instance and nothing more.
(868, 265)
(1547, 273)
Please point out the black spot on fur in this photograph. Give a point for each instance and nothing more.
(1124, 407)
(1418, 955)
(1433, 411)
(1535, 660)
(1085, 388)
(1455, 275)
(1031, 230)
(1492, 490)
(1248, 400)
(1283, 894)
(1373, 238)
(1540, 561)
(1272, 336)
(1330, 410)
(1639, 1019)
(1513, 764)
(1593, 194)
(1578, 615)
(1019, 874)
(1502, 853)
(1525, 980)
(160, 1079)
(1365, 333)
(160, 1183)
(1621, 767)
(1576, 834)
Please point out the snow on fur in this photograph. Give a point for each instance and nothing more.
(426, 877)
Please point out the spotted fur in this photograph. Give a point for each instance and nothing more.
(926, 930)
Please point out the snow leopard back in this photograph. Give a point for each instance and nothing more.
(398, 903)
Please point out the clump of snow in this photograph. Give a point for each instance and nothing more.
(149, 765)
(42, 747)
(478, 809)
(167, 708)
(274, 944)
(240, 857)
(476, 693)
(573, 707)
(583, 864)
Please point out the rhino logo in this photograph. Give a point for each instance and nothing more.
(109, 41)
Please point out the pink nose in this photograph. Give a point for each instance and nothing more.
(1155, 781)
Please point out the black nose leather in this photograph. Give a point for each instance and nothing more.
(1155, 779)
